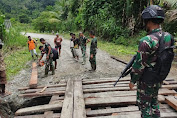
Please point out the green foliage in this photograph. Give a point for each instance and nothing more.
(14, 39)
(23, 18)
(31, 8)
(2, 30)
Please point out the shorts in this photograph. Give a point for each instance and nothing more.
(55, 57)
(76, 52)
(33, 51)
(58, 46)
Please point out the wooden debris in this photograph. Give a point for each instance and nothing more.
(34, 76)
(172, 101)
(42, 94)
(43, 89)
(56, 115)
(50, 113)
(39, 87)
(38, 109)
(113, 57)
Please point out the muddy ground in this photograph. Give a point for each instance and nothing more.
(67, 68)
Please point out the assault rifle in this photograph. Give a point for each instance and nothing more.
(127, 69)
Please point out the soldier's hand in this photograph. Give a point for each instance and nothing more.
(91, 56)
(47, 57)
(131, 86)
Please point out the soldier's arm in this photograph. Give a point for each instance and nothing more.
(41, 57)
(140, 61)
(55, 41)
(88, 40)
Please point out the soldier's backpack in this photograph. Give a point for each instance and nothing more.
(163, 64)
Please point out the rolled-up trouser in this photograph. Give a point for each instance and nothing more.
(33, 51)
(93, 62)
(83, 49)
(49, 62)
(76, 52)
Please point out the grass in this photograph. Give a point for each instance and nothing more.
(122, 52)
(16, 53)
(15, 61)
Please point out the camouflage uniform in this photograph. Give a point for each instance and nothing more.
(93, 50)
(49, 62)
(83, 41)
(146, 57)
(2, 74)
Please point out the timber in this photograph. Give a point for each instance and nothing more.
(67, 109)
(34, 76)
(79, 105)
(38, 109)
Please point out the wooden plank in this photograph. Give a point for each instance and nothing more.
(135, 115)
(110, 101)
(171, 86)
(42, 94)
(67, 109)
(38, 109)
(50, 113)
(94, 90)
(103, 112)
(39, 87)
(34, 76)
(104, 86)
(161, 98)
(165, 82)
(172, 101)
(56, 115)
(105, 81)
(124, 93)
(79, 104)
(110, 94)
(47, 90)
(109, 83)
(107, 89)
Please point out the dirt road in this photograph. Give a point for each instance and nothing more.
(67, 68)
(70, 68)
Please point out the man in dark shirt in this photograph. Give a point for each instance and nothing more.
(55, 54)
(49, 57)
(76, 46)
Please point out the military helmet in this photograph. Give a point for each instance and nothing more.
(1, 43)
(153, 12)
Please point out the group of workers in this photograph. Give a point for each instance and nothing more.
(147, 92)
(81, 42)
(52, 53)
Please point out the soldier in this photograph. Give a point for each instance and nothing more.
(2, 73)
(147, 56)
(93, 51)
(49, 57)
(83, 43)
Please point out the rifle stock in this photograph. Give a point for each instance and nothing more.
(127, 69)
